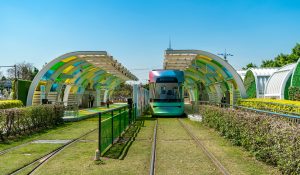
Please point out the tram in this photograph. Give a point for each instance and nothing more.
(166, 92)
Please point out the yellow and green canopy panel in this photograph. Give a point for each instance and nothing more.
(67, 78)
(207, 76)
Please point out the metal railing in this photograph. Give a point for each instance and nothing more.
(291, 117)
(278, 104)
(112, 124)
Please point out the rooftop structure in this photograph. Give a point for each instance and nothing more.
(255, 81)
(278, 84)
(207, 76)
(71, 77)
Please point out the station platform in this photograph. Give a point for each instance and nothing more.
(89, 112)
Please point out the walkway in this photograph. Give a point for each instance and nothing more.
(90, 112)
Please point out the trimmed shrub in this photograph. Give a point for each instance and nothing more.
(270, 139)
(294, 93)
(281, 106)
(23, 88)
(19, 121)
(6, 104)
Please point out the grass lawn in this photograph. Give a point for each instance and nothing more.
(25, 154)
(177, 153)
(66, 131)
(78, 158)
(234, 158)
(22, 156)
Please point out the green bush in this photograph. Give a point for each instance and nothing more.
(270, 139)
(23, 88)
(280, 106)
(6, 104)
(294, 93)
(19, 121)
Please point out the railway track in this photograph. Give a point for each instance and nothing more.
(198, 142)
(13, 148)
(3, 152)
(153, 153)
(45, 158)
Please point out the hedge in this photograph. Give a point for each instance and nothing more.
(270, 139)
(6, 104)
(23, 88)
(281, 106)
(294, 93)
(20, 121)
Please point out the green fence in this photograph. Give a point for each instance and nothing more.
(111, 128)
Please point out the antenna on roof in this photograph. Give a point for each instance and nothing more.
(225, 55)
(170, 44)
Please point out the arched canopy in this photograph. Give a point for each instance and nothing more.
(207, 69)
(76, 71)
(255, 81)
(296, 75)
(278, 84)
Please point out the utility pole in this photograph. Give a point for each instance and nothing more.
(14, 66)
(225, 55)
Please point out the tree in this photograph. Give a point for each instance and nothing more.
(283, 59)
(25, 71)
(268, 63)
(296, 50)
(122, 92)
(146, 86)
(250, 65)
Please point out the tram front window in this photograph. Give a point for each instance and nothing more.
(166, 92)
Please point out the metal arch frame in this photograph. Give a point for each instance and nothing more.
(231, 70)
(256, 76)
(280, 94)
(218, 59)
(282, 85)
(123, 71)
(217, 84)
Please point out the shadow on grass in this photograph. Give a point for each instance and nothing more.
(184, 115)
(120, 149)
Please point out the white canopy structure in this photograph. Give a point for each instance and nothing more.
(278, 84)
(255, 81)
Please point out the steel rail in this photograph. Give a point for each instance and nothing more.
(153, 153)
(215, 161)
(46, 157)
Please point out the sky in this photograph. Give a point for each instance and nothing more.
(136, 32)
